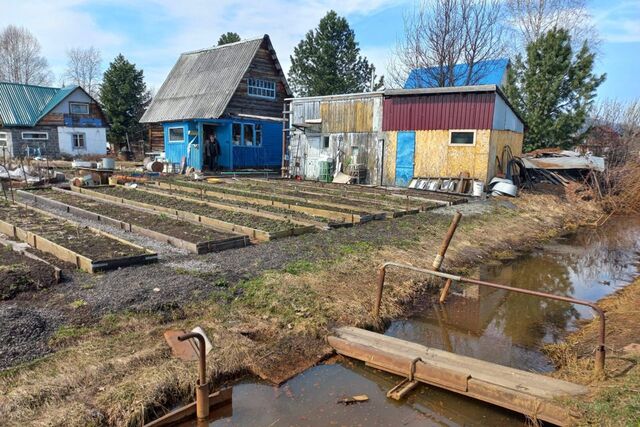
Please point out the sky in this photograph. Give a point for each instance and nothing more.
(152, 33)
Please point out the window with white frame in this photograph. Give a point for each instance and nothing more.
(176, 134)
(236, 133)
(261, 88)
(79, 141)
(78, 108)
(39, 136)
(248, 135)
(462, 137)
(258, 134)
(4, 138)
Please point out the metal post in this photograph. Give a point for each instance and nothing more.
(202, 386)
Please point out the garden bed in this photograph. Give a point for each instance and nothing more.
(195, 238)
(254, 226)
(19, 273)
(348, 215)
(87, 248)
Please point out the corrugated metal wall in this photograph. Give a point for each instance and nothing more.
(432, 112)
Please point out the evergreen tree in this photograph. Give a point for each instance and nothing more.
(124, 96)
(553, 90)
(228, 37)
(328, 61)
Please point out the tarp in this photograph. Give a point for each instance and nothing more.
(565, 162)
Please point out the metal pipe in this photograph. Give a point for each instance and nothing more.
(600, 350)
(202, 387)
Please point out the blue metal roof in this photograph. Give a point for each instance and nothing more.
(25, 105)
(493, 72)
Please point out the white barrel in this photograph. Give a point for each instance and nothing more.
(108, 163)
(478, 188)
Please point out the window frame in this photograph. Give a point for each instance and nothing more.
(257, 130)
(4, 139)
(175, 141)
(46, 136)
(253, 135)
(84, 104)
(73, 140)
(326, 142)
(261, 87)
(471, 131)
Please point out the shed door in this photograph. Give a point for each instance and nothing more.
(405, 150)
(312, 168)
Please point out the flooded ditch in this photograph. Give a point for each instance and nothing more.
(508, 329)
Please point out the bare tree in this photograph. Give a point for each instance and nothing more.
(20, 58)
(83, 69)
(439, 34)
(530, 19)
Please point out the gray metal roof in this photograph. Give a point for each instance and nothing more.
(202, 82)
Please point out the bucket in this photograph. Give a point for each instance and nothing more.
(478, 188)
(108, 163)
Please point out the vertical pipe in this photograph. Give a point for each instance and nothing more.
(202, 386)
(437, 262)
(381, 275)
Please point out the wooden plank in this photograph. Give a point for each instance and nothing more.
(252, 233)
(305, 227)
(325, 213)
(220, 406)
(531, 394)
(82, 262)
(21, 249)
(197, 248)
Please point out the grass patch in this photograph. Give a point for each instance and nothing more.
(77, 304)
(301, 266)
(355, 248)
(65, 334)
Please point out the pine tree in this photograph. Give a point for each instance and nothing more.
(228, 37)
(123, 95)
(553, 90)
(328, 61)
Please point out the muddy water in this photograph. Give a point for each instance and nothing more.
(507, 329)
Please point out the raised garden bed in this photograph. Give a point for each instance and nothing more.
(369, 201)
(20, 273)
(89, 249)
(256, 227)
(194, 238)
(346, 215)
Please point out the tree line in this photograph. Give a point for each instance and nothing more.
(551, 45)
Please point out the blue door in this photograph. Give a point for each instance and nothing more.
(405, 150)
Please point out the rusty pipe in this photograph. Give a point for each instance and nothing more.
(600, 350)
(437, 262)
(202, 386)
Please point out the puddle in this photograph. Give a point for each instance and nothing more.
(508, 329)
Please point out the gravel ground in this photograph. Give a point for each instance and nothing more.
(24, 333)
(178, 278)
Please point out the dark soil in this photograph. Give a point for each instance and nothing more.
(312, 194)
(161, 223)
(239, 218)
(267, 208)
(19, 274)
(281, 199)
(78, 239)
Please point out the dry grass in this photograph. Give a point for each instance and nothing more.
(615, 399)
(120, 372)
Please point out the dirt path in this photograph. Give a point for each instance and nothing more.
(267, 309)
(615, 399)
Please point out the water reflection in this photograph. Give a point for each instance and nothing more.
(492, 325)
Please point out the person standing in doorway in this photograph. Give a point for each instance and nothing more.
(212, 151)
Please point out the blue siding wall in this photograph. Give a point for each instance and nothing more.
(175, 151)
(268, 155)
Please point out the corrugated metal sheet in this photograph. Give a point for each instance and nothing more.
(202, 82)
(22, 105)
(57, 99)
(439, 111)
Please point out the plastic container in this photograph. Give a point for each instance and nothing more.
(478, 188)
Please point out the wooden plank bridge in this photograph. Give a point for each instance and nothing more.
(534, 395)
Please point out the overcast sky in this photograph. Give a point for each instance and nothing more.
(152, 33)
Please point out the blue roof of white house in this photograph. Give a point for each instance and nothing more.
(492, 72)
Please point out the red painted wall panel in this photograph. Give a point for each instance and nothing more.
(431, 112)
